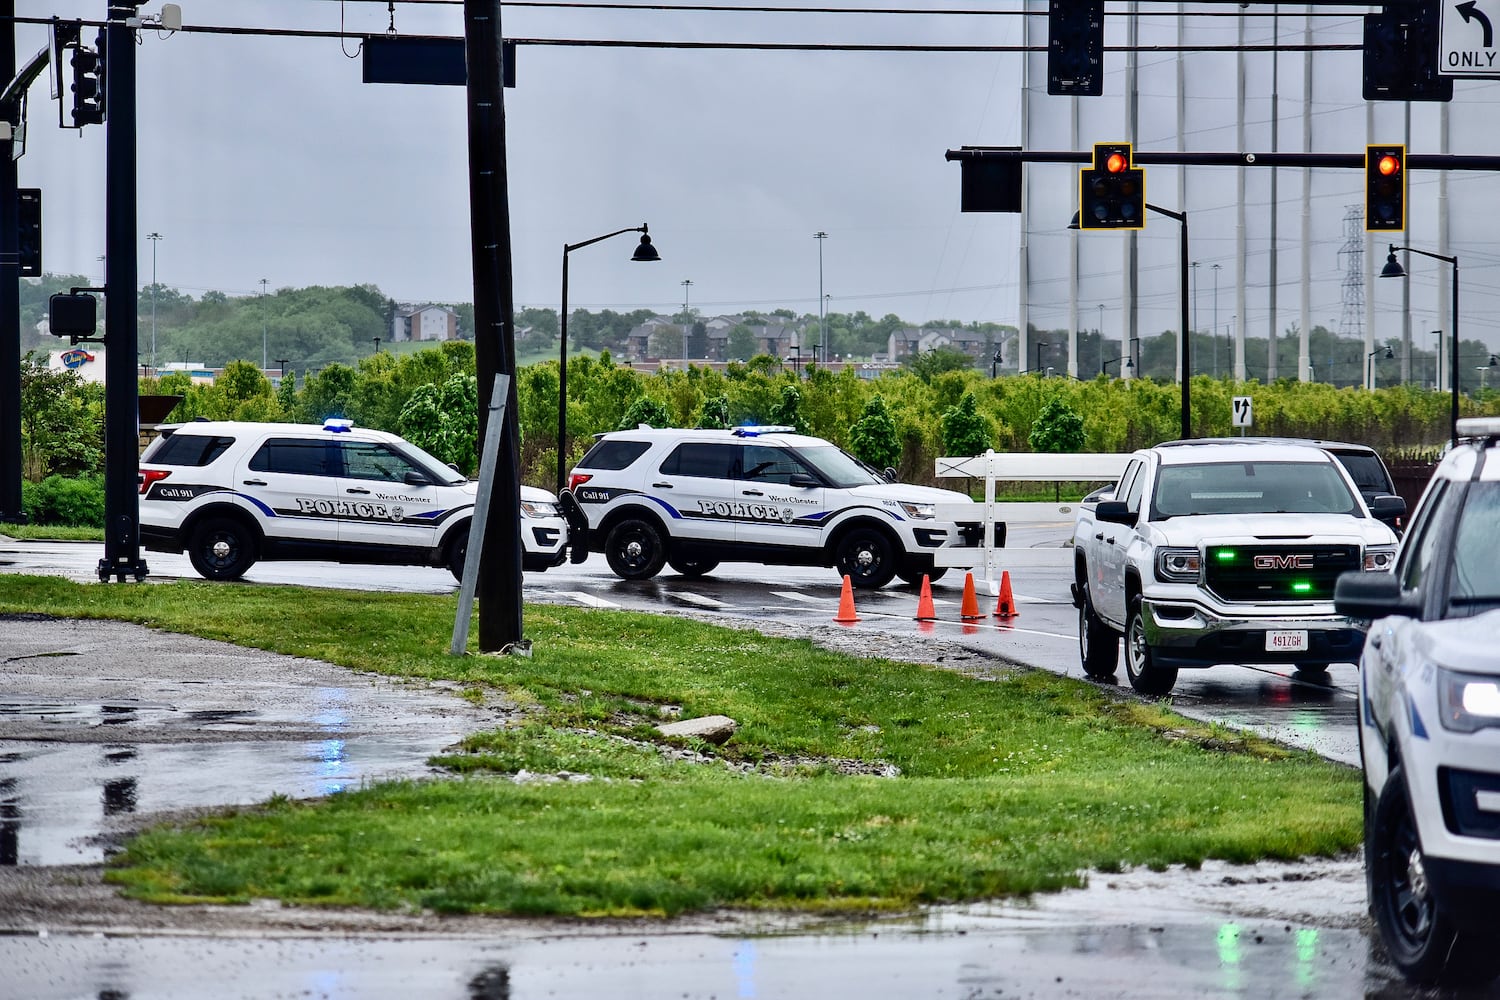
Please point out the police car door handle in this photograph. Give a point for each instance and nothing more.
(752, 493)
(661, 486)
(356, 489)
(253, 482)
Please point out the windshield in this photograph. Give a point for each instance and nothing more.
(1250, 488)
(1367, 471)
(838, 467)
(437, 471)
(1475, 581)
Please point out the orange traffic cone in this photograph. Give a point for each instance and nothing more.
(925, 611)
(970, 607)
(1006, 606)
(846, 615)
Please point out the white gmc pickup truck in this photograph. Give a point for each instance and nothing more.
(1209, 553)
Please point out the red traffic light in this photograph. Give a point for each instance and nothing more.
(1116, 163)
(1389, 165)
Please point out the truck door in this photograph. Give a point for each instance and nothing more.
(1108, 587)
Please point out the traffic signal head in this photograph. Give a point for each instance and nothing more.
(88, 85)
(1075, 48)
(29, 231)
(1112, 194)
(1385, 188)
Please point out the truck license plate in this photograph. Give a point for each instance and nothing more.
(1286, 642)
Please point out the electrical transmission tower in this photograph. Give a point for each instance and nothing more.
(1352, 322)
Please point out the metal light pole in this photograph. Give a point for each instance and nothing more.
(820, 236)
(154, 238)
(687, 317)
(1038, 366)
(1216, 320)
(1370, 365)
(264, 354)
(1393, 269)
(644, 252)
(1437, 359)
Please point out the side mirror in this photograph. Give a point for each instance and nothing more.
(1359, 594)
(1114, 512)
(890, 473)
(801, 480)
(414, 478)
(1389, 509)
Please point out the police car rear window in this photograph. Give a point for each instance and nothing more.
(613, 454)
(188, 449)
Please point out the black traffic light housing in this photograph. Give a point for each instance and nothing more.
(1401, 45)
(1075, 48)
(87, 87)
(29, 231)
(1112, 193)
(1385, 189)
(74, 315)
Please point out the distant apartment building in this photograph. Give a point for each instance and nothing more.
(425, 322)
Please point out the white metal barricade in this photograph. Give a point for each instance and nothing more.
(1019, 467)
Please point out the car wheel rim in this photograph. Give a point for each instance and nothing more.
(220, 551)
(634, 552)
(1409, 887)
(1136, 649)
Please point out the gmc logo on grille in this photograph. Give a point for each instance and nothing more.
(1283, 562)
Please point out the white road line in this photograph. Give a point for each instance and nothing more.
(589, 599)
(700, 600)
(792, 595)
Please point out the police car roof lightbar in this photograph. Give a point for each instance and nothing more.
(338, 425)
(751, 430)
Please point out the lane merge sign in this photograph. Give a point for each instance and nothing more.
(1466, 41)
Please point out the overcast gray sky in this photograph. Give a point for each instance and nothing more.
(268, 158)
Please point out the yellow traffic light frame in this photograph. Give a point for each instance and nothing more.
(1373, 154)
(1102, 153)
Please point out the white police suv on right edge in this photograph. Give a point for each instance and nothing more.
(691, 499)
(1430, 723)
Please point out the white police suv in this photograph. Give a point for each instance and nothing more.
(233, 493)
(692, 499)
(1430, 723)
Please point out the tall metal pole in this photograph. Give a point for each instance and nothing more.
(820, 236)
(687, 318)
(1215, 337)
(499, 584)
(264, 354)
(122, 542)
(11, 472)
(1453, 412)
(155, 238)
(562, 378)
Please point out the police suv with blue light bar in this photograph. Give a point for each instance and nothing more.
(232, 493)
(1429, 716)
(691, 499)
(1221, 552)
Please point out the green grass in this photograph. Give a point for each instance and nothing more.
(51, 532)
(1014, 783)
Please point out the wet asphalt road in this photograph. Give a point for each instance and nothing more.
(1225, 931)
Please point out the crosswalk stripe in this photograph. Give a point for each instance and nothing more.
(793, 595)
(588, 599)
(700, 600)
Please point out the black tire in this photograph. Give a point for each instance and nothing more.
(458, 551)
(635, 550)
(222, 548)
(912, 575)
(692, 567)
(1098, 644)
(1317, 673)
(867, 558)
(1146, 675)
(1422, 942)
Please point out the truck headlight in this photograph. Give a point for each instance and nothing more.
(1380, 558)
(1469, 702)
(918, 511)
(1178, 565)
(539, 508)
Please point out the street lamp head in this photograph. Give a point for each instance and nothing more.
(1393, 268)
(1389, 353)
(644, 251)
(1073, 223)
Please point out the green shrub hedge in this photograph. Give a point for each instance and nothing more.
(75, 501)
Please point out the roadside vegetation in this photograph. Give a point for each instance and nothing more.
(851, 783)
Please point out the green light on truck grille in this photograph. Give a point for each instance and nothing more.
(1224, 555)
(1302, 587)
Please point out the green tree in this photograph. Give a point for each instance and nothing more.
(648, 411)
(443, 420)
(873, 438)
(1058, 429)
(930, 364)
(326, 394)
(715, 413)
(966, 431)
(62, 422)
(742, 342)
(787, 410)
